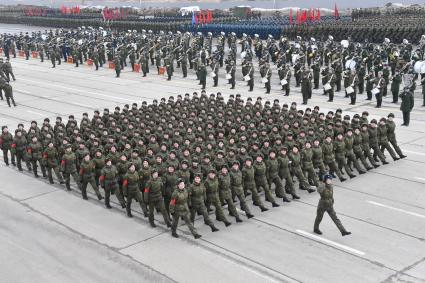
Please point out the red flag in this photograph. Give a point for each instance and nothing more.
(209, 16)
(311, 15)
(336, 12)
(304, 16)
(297, 18)
(290, 17)
(318, 15)
(201, 17)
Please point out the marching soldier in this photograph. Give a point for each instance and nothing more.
(35, 151)
(248, 179)
(391, 135)
(224, 179)
(212, 186)
(109, 182)
(326, 203)
(87, 171)
(19, 147)
(202, 73)
(152, 193)
(117, 64)
(328, 82)
(197, 194)
(306, 86)
(179, 208)
(69, 168)
(131, 188)
(231, 72)
(395, 86)
(380, 86)
(285, 77)
(51, 157)
(407, 103)
(236, 180)
(351, 90)
(215, 66)
(8, 92)
(266, 73)
(6, 143)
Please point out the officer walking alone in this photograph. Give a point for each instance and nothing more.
(326, 204)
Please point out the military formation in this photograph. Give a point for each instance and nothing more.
(347, 67)
(196, 154)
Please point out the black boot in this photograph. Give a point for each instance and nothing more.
(295, 196)
(263, 209)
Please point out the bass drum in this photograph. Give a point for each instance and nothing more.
(350, 64)
(419, 67)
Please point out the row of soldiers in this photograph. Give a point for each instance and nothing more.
(358, 67)
(186, 155)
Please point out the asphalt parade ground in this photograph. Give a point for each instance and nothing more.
(50, 235)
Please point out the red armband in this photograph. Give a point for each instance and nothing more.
(147, 190)
(45, 156)
(173, 201)
(29, 150)
(102, 178)
(63, 162)
(125, 182)
(81, 171)
(13, 145)
(1, 141)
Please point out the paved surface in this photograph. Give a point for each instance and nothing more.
(50, 235)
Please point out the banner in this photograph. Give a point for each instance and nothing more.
(336, 12)
(290, 17)
(70, 10)
(109, 14)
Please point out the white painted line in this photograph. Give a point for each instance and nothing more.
(81, 91)
(329, 242)
(82, 105)
(265, 276)
(414, 152)
(397, 209)
(36, 113)
(419, 178)
(23, 91)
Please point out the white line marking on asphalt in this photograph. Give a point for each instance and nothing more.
(414, 152)
(332, 243)
(419, 178)
(23, 91)
(82, 105)
(36, 113)
(81, 91)
(397, 209)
